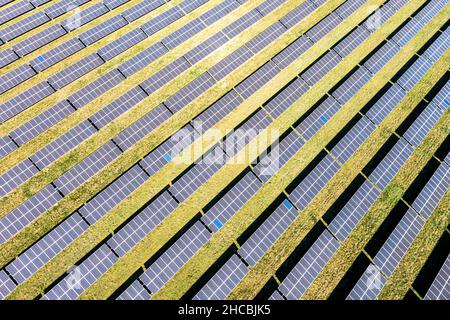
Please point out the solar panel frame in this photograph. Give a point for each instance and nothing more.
(96, 88)
(15, 77)
(39, 40)
(75, 71)
(223, 282)
(120, 45)
(57, 54)
(163, 269)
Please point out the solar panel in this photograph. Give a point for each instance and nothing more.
(142, 59)
(109, 197)
(351, 41)
(59, 8)
(165, 75)
(278, 156)
(440, 288)
(15, 77)
(430, 10)
(23, 26)
(429, 197)
(135, 291)
(96, 88)
(63, 144)
(38, 3)
(396, 5)
(112, 4)
(183, 34)
(141, 225)
(321, 67)
(141, 9)
(349, 7)
(39, 40)
(57, 54)
(27, 263)
(230, 63)
(6, 284)
(87, 168)
(381, 57)
(219, 11)
(7, 56)
(268, 6)
(293, 51)
(385, 104)
(82, 276)
(414, 73)
(139, 129)
(165, 152)
(324, 27)
(75, 71)
(184, 186)
(25, 100)
(223, 282)
(287, 97)
(348, 145)
(4, 2)
(309, 266)
(254, 82)
(409, 31)
(113, 110)
(243, 23)
(41, 123)
(353, 211)
(6, 145)
(246, 132)
(20, 217)
(231, 202)
(352, 85)
(438, 47)
(159, 272)
(266, 37)
(188, 6)
(190, 92)
(276, 295)
(16, 176)
(102, 30)
(317, 119)
(206, 47)
(162, 20)
(369, 285)
(391, 163)
(298, 14)
(398, 242)
(378, 18)
(442, 98)
(423, 124)
(116, 47)
(270, 230)
(84, 16)
(303, 194)
(14, 10)
(218, 110)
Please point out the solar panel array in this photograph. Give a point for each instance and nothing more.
(101, 100)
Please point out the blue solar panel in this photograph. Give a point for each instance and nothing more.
(17, 29)
(15, 77)
(7, 56)
(14, 10)
(39, 40)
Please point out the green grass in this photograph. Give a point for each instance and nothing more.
(328, 279)
(267, 266)
(113, 219)
(404, 275)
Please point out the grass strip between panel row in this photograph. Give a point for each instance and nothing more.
(401, 280)
(330, 276)
(280, 251)
(153, 185)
